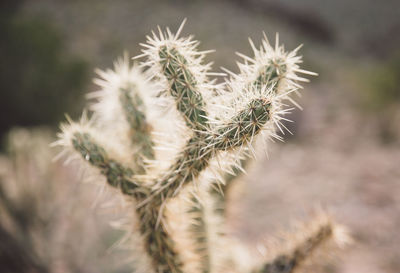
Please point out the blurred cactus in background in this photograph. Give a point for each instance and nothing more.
(45, 211)
(165, 135)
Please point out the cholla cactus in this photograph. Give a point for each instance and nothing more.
(164, 135)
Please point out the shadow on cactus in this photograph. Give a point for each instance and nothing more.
(165, 135)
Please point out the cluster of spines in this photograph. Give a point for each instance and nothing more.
(255, 104)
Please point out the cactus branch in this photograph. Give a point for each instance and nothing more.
(200, 149)
(157, 241)
(120, 107)
(310, 241)
(183, 85)
(117, 175)
(132, 103)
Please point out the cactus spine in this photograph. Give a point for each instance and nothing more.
(250, 104)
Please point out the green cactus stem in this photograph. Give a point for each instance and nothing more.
(183, 88)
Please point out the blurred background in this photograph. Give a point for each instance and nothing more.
(343, 156)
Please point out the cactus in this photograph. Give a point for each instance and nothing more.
(164, 135)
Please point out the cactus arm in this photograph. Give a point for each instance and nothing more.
(116, 174)
(199, 149)
(120, 108)
(244, 126)
(183, 88)
(269, 68)
(158, 243)
(310, 243)
(133, 105)
(133, 108)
